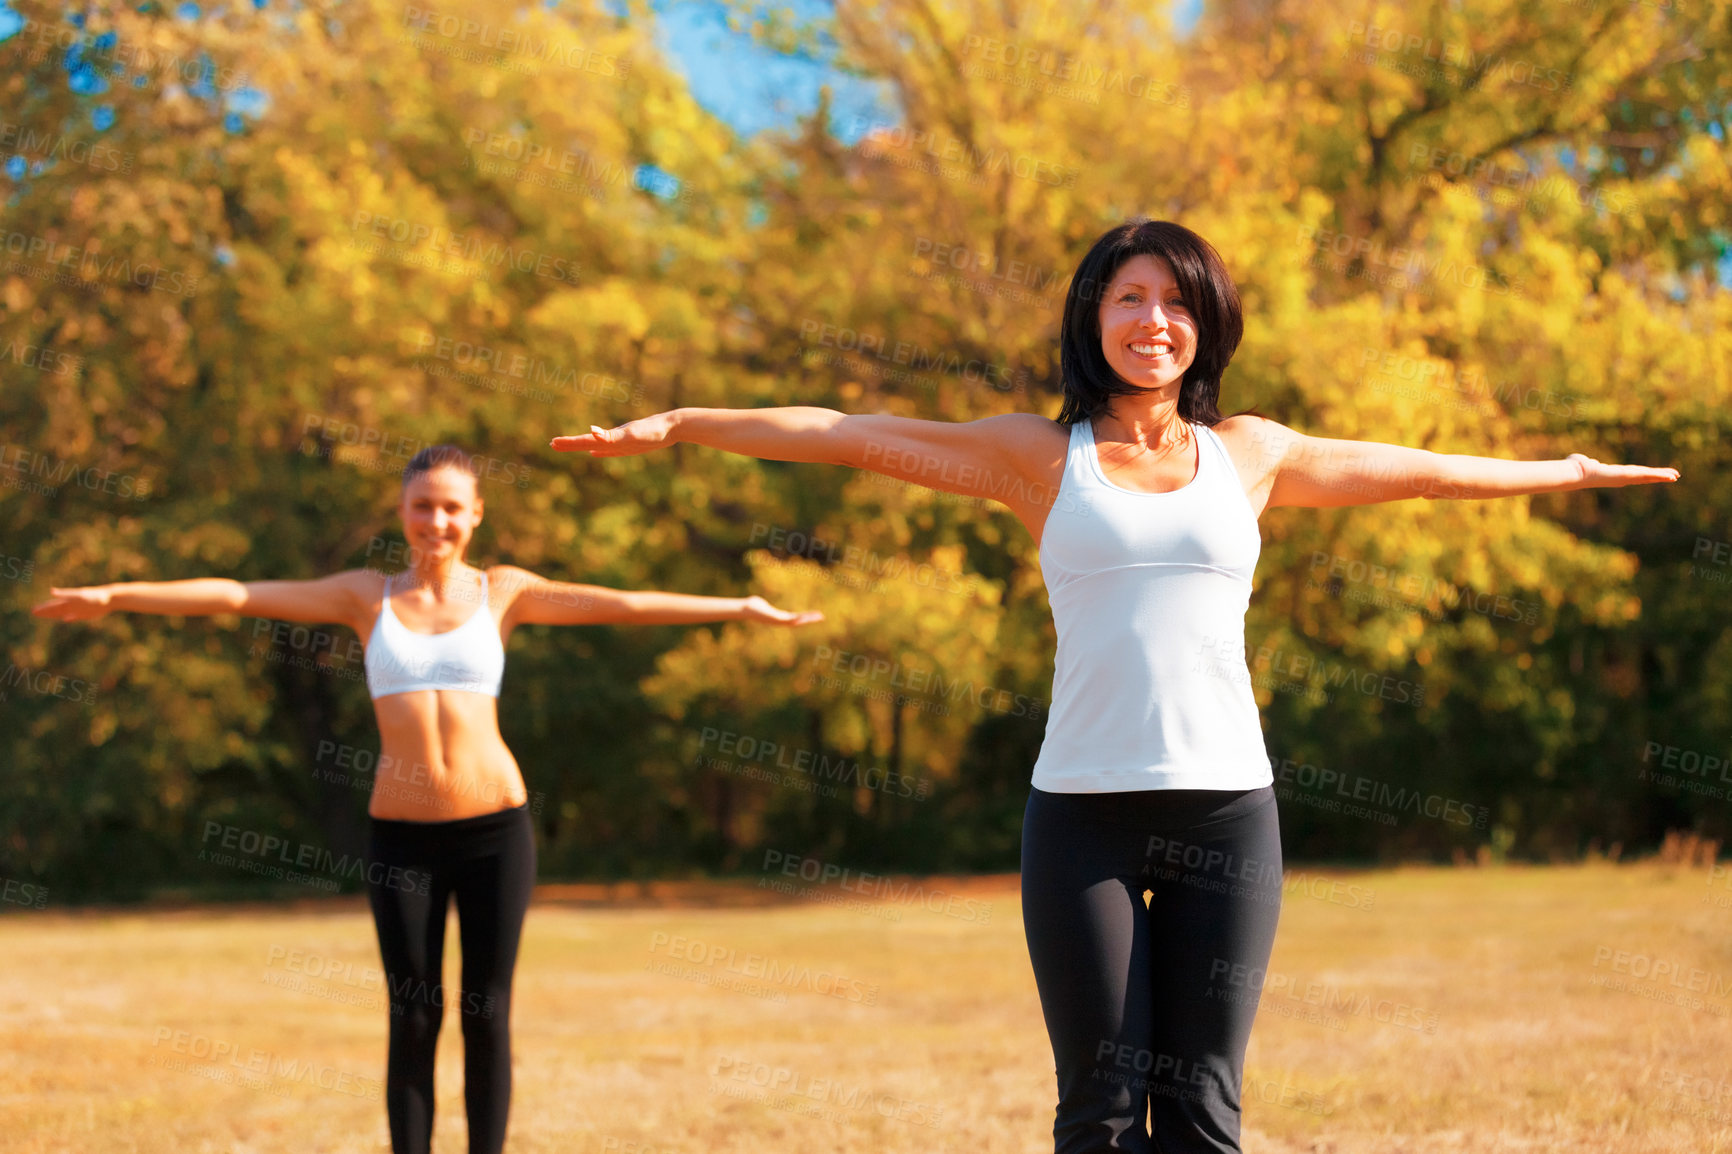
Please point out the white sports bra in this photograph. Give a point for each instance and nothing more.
(1148, 592)
(470, 657)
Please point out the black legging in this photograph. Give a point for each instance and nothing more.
(1149, 1010)
(413, 869)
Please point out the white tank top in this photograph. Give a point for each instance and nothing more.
(470, 657)
(1148, 591)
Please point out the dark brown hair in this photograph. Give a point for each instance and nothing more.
(1089, 381)
(438, 457)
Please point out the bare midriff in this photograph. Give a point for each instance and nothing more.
(442, 758)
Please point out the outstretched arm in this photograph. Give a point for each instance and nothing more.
(1319, 471)
(339, 598)
(994, 457)
(785, 433)
(538, 601)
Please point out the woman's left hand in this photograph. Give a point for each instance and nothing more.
(757, 609)
(1597, 475)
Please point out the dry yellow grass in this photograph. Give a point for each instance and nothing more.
(1461, 1010)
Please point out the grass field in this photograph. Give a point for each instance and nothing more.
(1579, 1008)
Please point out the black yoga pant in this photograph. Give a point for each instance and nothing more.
(1149, 1009)
(413, 870)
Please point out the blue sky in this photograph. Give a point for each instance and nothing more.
(749, 87)
(752, 88)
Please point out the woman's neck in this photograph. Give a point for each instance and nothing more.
(437, 578)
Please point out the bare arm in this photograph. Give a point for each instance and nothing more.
(991, 457)
(539, 601)
(787, 433)
(340, 598)
(1320, 472)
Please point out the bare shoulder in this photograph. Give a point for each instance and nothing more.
(1027, 437)
(1250, 428)
(1033, 448)
(1026, 424)
(1017, 431)
(349, 597)
(976, 457)
(363, 580)
(1257, 444)
(506, 583)
(365, 592)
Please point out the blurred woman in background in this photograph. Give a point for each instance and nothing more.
(449, 814)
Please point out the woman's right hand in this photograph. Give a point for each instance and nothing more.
(633, 437)
(81, 604)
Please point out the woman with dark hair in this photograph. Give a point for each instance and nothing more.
(449, 813)
(1152, 776)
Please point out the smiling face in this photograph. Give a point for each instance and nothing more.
(440, 509)
(1148, 335)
